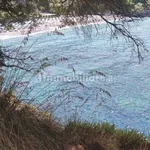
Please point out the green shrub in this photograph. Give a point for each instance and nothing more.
(130, 139)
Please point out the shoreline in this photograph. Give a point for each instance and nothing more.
(47, 26)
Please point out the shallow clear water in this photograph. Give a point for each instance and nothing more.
(75, 54)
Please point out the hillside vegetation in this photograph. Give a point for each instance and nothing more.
(24, 127)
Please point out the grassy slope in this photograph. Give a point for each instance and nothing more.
(23, 127)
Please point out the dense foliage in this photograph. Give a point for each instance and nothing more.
(19, 10)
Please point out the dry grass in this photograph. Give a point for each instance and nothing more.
(103, 137)
(23, 127)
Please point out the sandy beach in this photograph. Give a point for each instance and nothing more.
(47, 25)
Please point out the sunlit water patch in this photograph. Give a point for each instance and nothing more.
(82, 71)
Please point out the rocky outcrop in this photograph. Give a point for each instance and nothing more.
(144, 13)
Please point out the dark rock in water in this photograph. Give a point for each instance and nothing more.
(129, 20)
(144, 13)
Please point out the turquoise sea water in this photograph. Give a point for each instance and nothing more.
(69, 82)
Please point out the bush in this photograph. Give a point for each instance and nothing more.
(139, 7)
